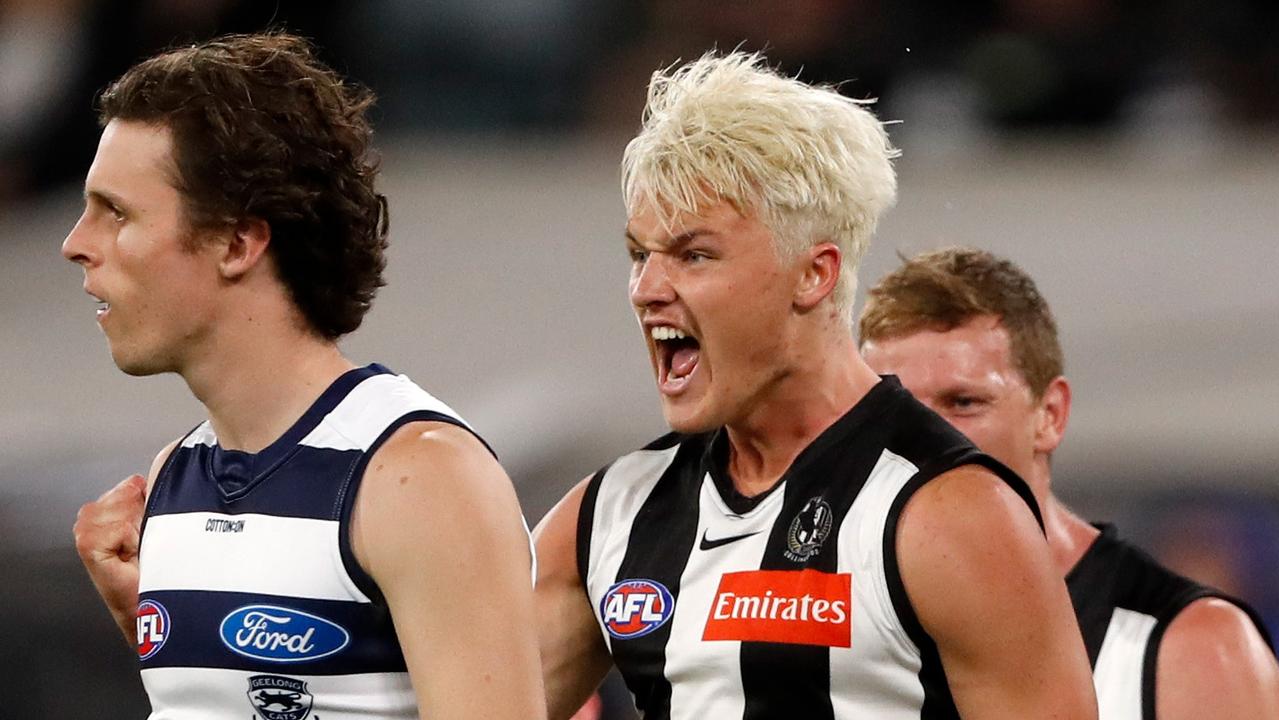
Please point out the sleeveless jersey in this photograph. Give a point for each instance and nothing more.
(786, 605)
(1124, 601)
(251, 604)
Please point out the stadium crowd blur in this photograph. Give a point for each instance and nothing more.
(1002, 68)
(491, 65)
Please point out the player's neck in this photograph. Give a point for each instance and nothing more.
(803, 404)
(1069, 536)
(256, 381)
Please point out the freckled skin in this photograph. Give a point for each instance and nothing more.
(728, 286)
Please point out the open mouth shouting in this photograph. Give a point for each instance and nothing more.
(677, 354)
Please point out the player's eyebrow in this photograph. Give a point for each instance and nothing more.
(104, 197)
(672, 243)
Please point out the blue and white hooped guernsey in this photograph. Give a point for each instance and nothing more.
(251, 603)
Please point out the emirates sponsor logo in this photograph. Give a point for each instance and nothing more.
(805, 607)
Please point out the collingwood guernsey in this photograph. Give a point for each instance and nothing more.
(251, 604)
(785, 605)
(1125, 601)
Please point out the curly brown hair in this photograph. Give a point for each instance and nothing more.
(262, 129)
(944, 289)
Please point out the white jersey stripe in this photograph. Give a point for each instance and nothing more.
(880, 644)
(181, 693)
(623, 490)
(706, 677)
(233, 553)
(1118, 673)
(366, 412)
(202, 435)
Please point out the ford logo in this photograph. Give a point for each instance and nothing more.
(278, 634)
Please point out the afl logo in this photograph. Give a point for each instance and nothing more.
(153, 628)
(633, 608)
(278, 634)
(808, 530)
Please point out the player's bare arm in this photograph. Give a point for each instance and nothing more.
(977, 571)
(1214, 663)
(107, 537)
(437, 525)
(574, 657)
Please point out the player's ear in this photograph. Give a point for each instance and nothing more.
(820, 275)
(246, 243)
(1053, 414)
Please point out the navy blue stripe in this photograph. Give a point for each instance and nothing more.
(348, 489)
(193, 638)
(305, 487)
(230, 462)
(159, 488)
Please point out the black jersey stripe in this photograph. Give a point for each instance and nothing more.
(791, 680)
(938, 701)
(1149, 663)
(1114, 573)
(586, 521)
(662, 537)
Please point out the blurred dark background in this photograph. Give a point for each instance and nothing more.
(1124, 152)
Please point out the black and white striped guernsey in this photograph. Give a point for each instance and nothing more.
(786, 605)
(251, 604)
(1124, 601)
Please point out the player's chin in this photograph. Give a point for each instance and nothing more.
(138, 364)
(687, 417)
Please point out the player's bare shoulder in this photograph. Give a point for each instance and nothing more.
(432, 451)
(1213, 655)
(440, 475)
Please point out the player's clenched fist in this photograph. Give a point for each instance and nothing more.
(107, 533)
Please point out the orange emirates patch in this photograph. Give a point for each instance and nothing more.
(805, 607)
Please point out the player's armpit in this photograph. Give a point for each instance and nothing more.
(1214, 663)
(437, 526)
(574, 657)
(107, 538)
(977, 571)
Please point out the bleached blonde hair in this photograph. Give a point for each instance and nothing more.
(813, 165)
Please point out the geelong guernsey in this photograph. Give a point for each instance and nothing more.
(786, 605)
(251, 604)
(1124, 601)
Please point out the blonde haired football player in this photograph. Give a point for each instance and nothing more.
(809, 541)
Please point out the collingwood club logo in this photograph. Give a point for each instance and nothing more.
(808, 530)
(276, 697)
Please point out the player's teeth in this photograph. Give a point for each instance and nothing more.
(667, 333)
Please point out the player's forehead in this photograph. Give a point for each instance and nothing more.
(657, 226)
(131, 156)
(974, 353)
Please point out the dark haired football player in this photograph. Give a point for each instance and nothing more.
(311, 549)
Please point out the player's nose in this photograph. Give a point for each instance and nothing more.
(78, 245)
(651, 282)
